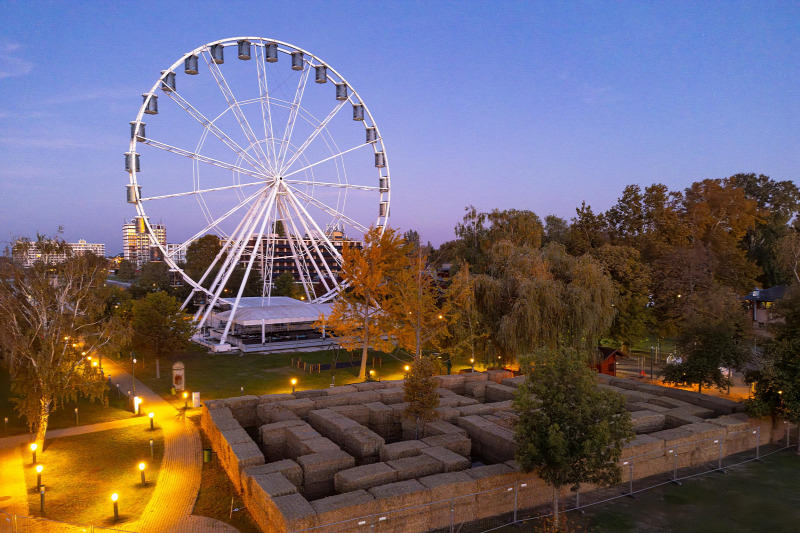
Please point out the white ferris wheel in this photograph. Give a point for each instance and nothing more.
(241, 144)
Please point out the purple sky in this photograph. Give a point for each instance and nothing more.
(528, 105)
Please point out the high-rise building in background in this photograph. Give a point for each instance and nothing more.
(136, 244)
(31, 253)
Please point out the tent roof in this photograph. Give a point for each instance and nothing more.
(274, 310)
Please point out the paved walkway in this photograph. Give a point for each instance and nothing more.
(172, 501)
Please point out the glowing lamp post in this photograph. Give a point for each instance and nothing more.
(76, 416)
(407, 368)
(472, 362)
(294, 382)
(33, 451)
(137, 402)
(185, 400)
(141, 471)
(151, 415)
(39, 469)
(371, 375)
(114, 498)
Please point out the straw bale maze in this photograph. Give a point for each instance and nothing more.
(324, 458)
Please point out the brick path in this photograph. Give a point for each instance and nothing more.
(172, 501)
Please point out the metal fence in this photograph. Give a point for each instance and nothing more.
(30, 524)
(528, 500)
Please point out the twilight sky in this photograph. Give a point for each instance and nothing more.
(528, 105)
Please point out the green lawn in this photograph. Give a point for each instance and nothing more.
(64, 417)
(752, 497)
(81, 472)
(222, 375)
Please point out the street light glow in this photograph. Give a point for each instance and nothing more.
(114, 497)
(34, 446)
(39, 469)
(407, 368)
(151, 414)
(141, 466)
(294, 381)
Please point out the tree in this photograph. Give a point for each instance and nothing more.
(464, 327)
(569, 431)
(419, 391)
(359, 318)
(556, 229)
(285, 286)
(54, 317)
(199, 256)
(153, 277)
(789, 253)
(418, 311)
(712, 337)
(159, 324)
(126, 270)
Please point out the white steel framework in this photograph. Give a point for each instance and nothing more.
(281, 159)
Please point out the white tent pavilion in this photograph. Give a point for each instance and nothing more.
(273, 321)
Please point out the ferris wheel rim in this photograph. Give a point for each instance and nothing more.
(310, 61)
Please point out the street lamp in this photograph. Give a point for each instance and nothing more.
(407, 368)
(33, 451)
(185, 400)
(472, 362)
(133, 371)
(151, 415)
(136, 405)
(294, 382)
(114, 498)
(39, 469)
(141, 470)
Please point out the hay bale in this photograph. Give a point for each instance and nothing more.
(507, 406)
(449, 401)
(235, 436)
(514, 382)
(364, 477)
(393, 383)
(242, 455)
(476, 389)
(379, 414)
(282, 415)
(489, 471)
(673, 437)
(475, 377)
(399, 450)
(273, 438)
(499, 375)
(443, 393)
(477, 409)
(319, 470)
(456, 488)
(362, 397)
(448, 414)
(451, 461)
(300, 407)
(293, 507)
(391, 396)
(440, 427)
(342, 389)
(369, 386)
(679, 417)
(272, 398)
(499, 393)
(322, 420)
(643, 444)
(358, 413)
(361, 443)
(290, 470)
(243, 409)
(416, 467)
(647, 421)
(356, 503)
(459, 443)
(732, 423)
(411, 498)
(309, 394)
(324, 402)
(274, 484)
(497, 443)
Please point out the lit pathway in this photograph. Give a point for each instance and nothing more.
(172, 501)
(170, 506)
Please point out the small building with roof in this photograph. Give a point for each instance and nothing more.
(760, 303)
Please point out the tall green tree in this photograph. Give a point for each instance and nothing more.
(466, 335)
(153, 277)
(569, 431)
(126, 270)
(714, 335)
(54, 316)
(199, 256)
(159, 325)
(285, 286)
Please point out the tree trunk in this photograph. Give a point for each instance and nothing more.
(363, 372)
(700, 388)
(41, 429)
(555, 508)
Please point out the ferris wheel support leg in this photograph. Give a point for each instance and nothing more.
(232, 259)
(304, 278)
(265, 216)
(334, 252)
(306, 249)
(293, 203)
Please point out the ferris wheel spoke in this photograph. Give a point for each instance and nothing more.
(313, 240)
(322, 125)
(307, 251)
(215, 223)
(337, 215)
(210, 126)
(334, 185)
(202, 191)
(295, 108)
(305, 279)
(264, 98)
(335, 254)
(237, 110)
(334, 156)
(200, 157)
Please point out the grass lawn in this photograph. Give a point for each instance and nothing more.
(64, 417)
(81, 472)
(752, 497)
(216, 491)
(222, 375)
